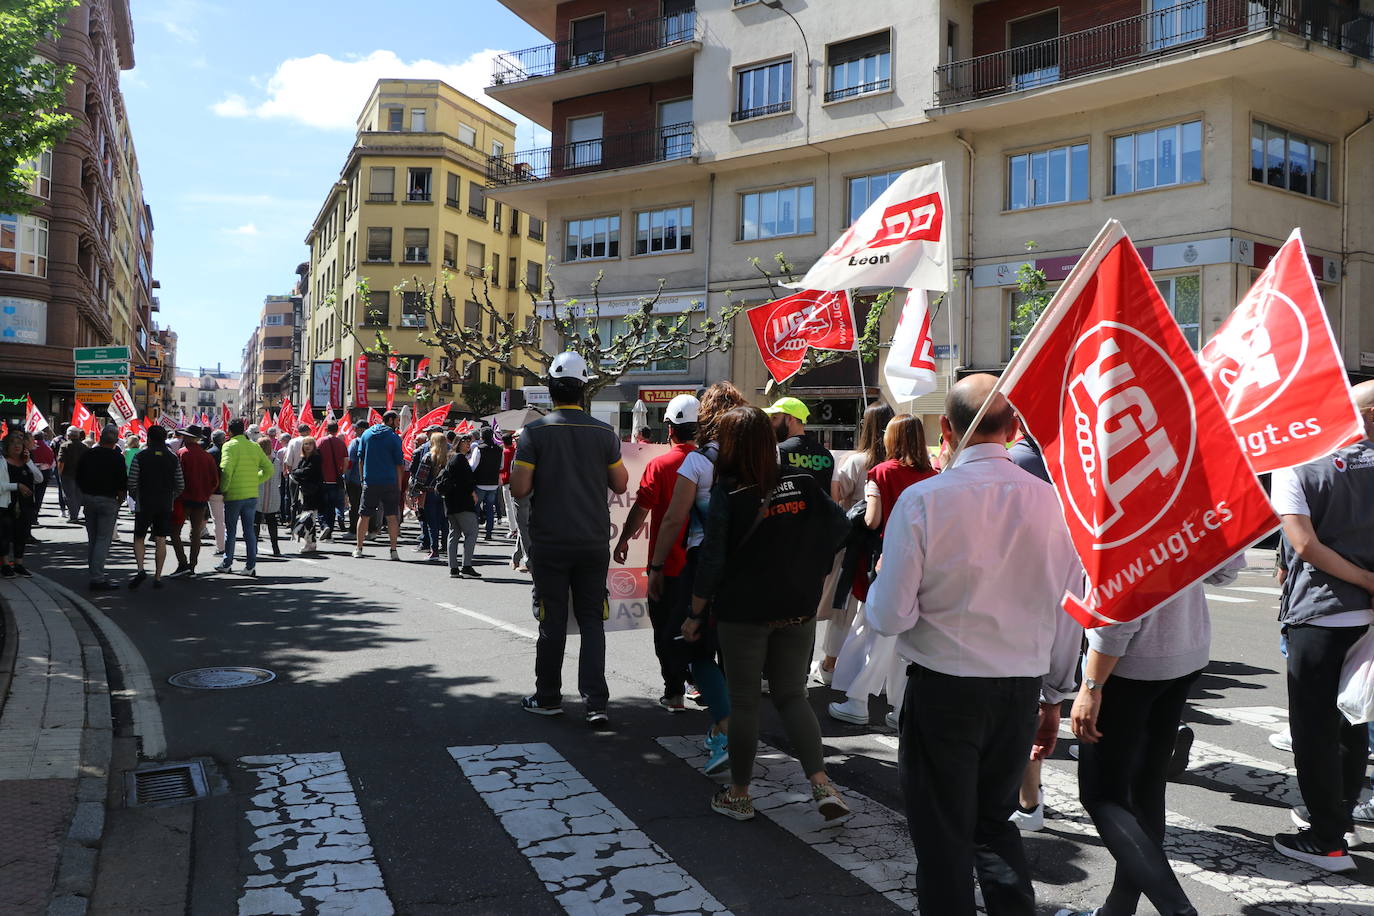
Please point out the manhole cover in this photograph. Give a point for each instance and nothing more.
(221, 678)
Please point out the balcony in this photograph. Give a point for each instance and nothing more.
(650, 51)
(1187, 29)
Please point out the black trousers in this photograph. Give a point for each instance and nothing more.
(1328, 752)
(571, 581)
(271, 519)
(965, 744)
(1121, 781)
(667, 615)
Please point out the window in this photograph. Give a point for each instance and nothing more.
(590, 239)
(783, 211)
(477, 200)
(1034, 51)
(451, 195)
(382, 185)
(1171, 22)
(859, 66)
(1157, 158)
(417, 184)
(1283, 159)
(273, 319)
(472, 315)
(412, 310)
(534, 278)
(393, 118)
(763, 90)
(495, 270)
(379, 243)
(660, 231)
(417, 120)
(865, 189)
(496, 216)
(1184, 297)
(378, 310)
(512, 273)
(514, 222)
(536, 229)
(477, 258)
(588, 40)
(611, 328)
(450, 251)
(1049, 176)
(41, 165)
(417, 246)
(583, 148)
(498, 149)
(23, 245)
(466, 135)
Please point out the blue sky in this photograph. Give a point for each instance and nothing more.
(242, 114)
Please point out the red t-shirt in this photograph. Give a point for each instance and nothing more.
(507, 456)
(892, 478)
(655, 493)
(333, 458)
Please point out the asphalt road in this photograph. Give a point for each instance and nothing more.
(388, 766)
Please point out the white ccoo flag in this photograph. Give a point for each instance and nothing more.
(901, 240)
(910, 366)
(121, 408)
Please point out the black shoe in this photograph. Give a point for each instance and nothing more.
(532, 705)
(455, 573)
(103, 585)
(1304, 848)
(597, 718)
(157, 583)
(137, 579)
(1302, 819)
(470, 573)
(21, 570)
(7, 572)
(33, 540)
(1183, 745)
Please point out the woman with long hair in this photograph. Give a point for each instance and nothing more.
(308, 476)
(868, 662)
(17, 484)
(269, 497)
(769, 539)
(847, 489)
(428, 503)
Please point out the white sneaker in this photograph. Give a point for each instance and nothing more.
(1073, 751)
(890, 720)
(1029, 821)
(1282, 740)
(820, 675)
(855, 712)
(358, 553)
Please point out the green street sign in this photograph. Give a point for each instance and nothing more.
(100, 354)
(107, 369)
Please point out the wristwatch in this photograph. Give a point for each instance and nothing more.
(1092, 684)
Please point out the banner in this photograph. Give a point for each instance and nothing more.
(121, 407)
(901, 240)
(910, 366)
(167, 423)
(336, 370)
(33, 419)
(390, 383)
(784, 328)
(1154, 490)
(1276, 368)
(360, 381)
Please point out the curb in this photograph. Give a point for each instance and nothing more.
(9, 646)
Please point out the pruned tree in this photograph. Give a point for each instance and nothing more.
(32, 90)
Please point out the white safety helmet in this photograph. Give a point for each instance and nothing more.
(682, 409)
(570, 365)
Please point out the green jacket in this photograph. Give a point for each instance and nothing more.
(243, 467)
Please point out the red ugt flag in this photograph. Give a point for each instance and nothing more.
(373, 418)
(1154, 489)
(1275, 367)
(286, 418)
(784, 328)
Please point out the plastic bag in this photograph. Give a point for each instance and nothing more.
(1356, 697)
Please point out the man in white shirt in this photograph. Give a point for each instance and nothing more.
(291, 459)
(975, 564)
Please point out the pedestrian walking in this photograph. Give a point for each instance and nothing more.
(975, 563)
(486, 465)
(429, 504)
(380, 462)
(307, 481)
(334, 466)
(46, 459)
(100, 484)
(769, 539)
(291, 459)
(456, 485)
(243, 467)
(18, 486)
(508, 501)
(215, 450)
(155, 481)
(565, 462)
(268, 511)
(200, 477)
(69, 456)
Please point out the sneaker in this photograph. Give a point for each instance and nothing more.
(1029, 821)
(522, 568)
(433, 555)
(103, 585)
(137, 579)
(531, 705)
(327, 535)
(470, 573)
(672, 704)
(764, 689)
(157, 583)
(1073, 751)
(597, 718)
(741, 809)
(455, 573)
(695, 695)
(829, 803)
(855, 712)
(719, 746)
(1283, 741)
(1364, 812)
(181, 572)
(219, 553)
(22, 571)
(7, 572)
(1302, 847)
(358, 553)
(224, 567)
(395, 554)
(820, 675)
(250, 571)
(714, 739)
(1183, 745)
(1303, 820)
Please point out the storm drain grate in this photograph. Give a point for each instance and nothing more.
(166, 785)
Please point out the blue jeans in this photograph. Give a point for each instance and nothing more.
(486, 507)
(433, 513)
(101, 512)
(240, 512)
(333, 512)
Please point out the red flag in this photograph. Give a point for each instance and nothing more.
(307, 416)
(336, 370)
(346, 431)
(266, 422)
(390, 382)
(408, 440)
(422, 369)
(435, 417)
(1154, 489)
(286, 417)
(373, 418)
(80, 415)
(33, 419)
(783, 329)
(360, 381)
(225, 416)
(1275, 366)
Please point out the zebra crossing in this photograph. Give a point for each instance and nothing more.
(310, 851)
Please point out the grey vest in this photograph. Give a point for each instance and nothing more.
(1340, 496)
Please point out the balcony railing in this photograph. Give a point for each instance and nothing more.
(615, 44)
(1190, 24)
(747, 114)
(619, 151)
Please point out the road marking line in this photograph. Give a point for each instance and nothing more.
(874, 845)
(311, 852)
(1229, 599)
(589, 855)
(1256, 589)
(1266, 717)
(499, 624)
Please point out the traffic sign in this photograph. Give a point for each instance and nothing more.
(151, 373)
(106, 369)
(100, 354)
(96, 384)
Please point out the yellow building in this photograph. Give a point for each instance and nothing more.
(411, 208)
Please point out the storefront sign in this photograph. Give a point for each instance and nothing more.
(99, 354)
(321, 377)
(23, 321)
(537, 396)
(656, 394)
(18, 400)
(625, 305)
(843, 412)
(1366, 359)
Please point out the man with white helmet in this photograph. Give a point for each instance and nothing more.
(655, 493)
(565, 463)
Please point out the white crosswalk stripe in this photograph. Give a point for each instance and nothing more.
(589, 855)
(311, 851)
(1256, 589)
(1270, 718)
(1228, 599)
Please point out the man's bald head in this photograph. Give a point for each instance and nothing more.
(1364, 400)
(967, 396)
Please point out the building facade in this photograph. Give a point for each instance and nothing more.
(205, 391)
(1210, 128)
(268, 356)
(409, 210)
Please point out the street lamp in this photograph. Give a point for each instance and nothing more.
(777, 5)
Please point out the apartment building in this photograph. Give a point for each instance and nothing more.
(1210, 128)
(267, 356)
(411, 209)
(77, 271)
(204, 391)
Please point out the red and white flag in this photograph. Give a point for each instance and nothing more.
(784, 328)
(346, 431)
(901, 240)
(360, 381)
(307, 416)
(1154, 489)
(121, 407)
(166, 422)
(390, 382)
(266, 422)
(1275, 366)
(224, 417)
(81, 415)
(373, 418)
(286, 417)
(33, 419)
(422, 370)
(910, 366)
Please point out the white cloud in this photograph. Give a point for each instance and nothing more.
(179, 18)
(247, 229)
(328, 92)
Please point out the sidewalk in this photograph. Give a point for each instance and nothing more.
(55, 747)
